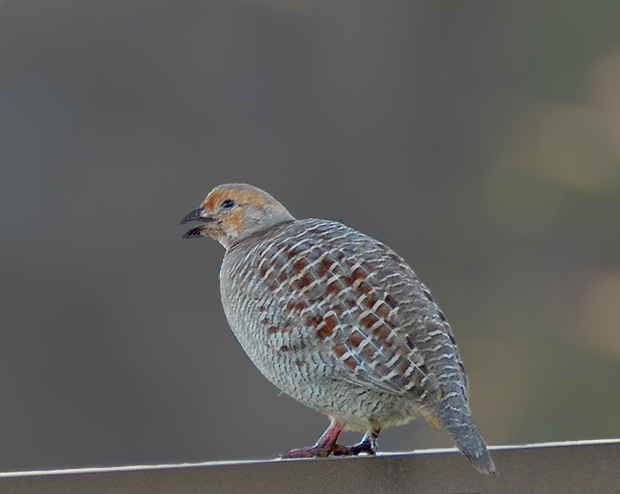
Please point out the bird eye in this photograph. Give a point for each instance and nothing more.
(228, 203)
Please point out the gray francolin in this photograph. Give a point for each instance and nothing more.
(338, 321)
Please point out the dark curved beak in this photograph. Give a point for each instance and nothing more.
(193, 216)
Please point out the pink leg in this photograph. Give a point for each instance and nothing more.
(326, 444)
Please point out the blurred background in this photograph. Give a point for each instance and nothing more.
(480, 140)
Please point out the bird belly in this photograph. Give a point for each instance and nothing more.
(313, 383)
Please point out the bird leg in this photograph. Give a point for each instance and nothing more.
(326, 444)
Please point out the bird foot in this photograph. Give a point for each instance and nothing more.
(313, 452)
(368, 445)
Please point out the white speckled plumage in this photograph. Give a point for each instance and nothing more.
(338, 321)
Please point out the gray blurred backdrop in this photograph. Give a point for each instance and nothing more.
(478, 139)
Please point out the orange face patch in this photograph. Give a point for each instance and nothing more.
(232, 219)
(220, 194)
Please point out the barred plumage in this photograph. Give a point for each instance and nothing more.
(338, 321)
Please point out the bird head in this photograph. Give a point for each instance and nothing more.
(233, 212)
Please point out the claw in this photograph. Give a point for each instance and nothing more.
(367, 445)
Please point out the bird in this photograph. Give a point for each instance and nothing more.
(338, 321)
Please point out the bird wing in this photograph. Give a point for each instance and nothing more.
(377, 339)
(374, 324)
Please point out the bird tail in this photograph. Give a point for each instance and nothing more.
(458, 422)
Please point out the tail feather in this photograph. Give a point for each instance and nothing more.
(458, 422)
